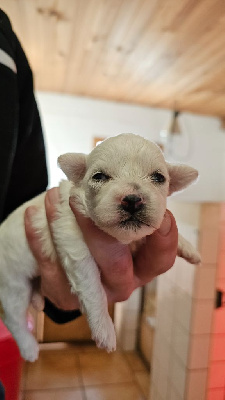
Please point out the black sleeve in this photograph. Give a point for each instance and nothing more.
(59, 316)
(23, 171)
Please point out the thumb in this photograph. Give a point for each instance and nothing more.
(159, 251)
(166, 224)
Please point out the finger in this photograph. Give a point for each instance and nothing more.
(56, 288)
(166, 225)
(51, 200)
(61, 294)
(54, 283)
(32, 236)
(113, 258)
(158, 254)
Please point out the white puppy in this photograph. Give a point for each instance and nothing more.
(122, 185)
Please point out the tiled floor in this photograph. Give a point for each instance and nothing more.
(82, 372)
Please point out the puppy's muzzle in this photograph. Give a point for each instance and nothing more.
(132, 203)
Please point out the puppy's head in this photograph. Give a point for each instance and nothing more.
(123, 185)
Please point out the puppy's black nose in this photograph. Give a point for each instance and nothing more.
(131, 203)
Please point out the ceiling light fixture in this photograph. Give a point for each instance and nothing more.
(174, 140)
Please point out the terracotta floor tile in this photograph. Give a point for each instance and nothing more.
(143, 380)
(135, 361)
(59, 394)
(92, 348)
(63, 346)
(83, 347)
(101, 368)
(53, 369)
(127, 391)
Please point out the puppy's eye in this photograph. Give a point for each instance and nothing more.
(158, 177)
(100, 177)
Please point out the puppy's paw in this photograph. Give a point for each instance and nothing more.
(192, 257)
(29, 349)
(187, 251)
(104, 334)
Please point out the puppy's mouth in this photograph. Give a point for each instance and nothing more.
(133, 222)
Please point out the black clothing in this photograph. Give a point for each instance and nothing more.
(23, 171)
(59, 316)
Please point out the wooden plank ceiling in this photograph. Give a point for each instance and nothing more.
(162, 53)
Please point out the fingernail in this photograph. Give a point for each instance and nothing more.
(166, 225)
(53, 196)
(30, 212)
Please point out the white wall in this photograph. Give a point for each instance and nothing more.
(70, 123)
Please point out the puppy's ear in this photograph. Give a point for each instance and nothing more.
(181, 176)
(73, 165)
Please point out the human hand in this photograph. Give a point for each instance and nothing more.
(120, 274)
(54, 283)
